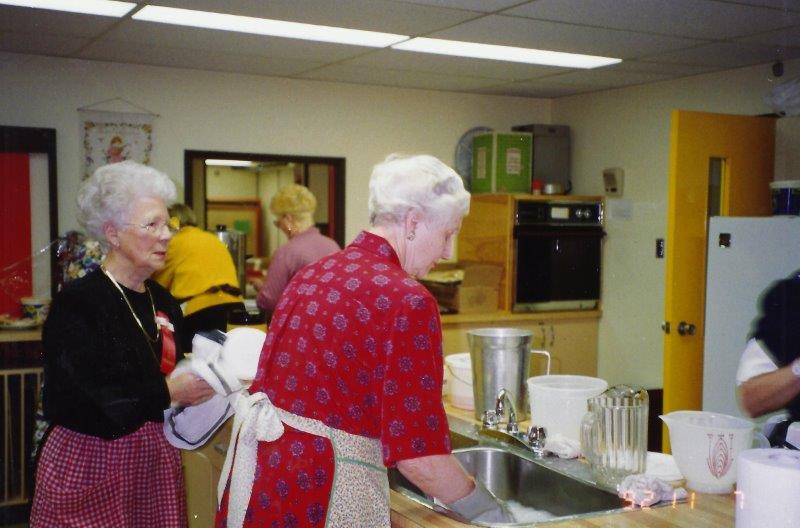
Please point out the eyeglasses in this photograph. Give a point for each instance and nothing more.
(156, 226)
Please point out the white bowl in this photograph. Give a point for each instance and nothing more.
(558, 402)
(459, 380)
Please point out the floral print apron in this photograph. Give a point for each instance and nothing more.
(360, 491)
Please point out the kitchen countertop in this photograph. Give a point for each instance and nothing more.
(506, 316)
(13, 336)
(699, 511)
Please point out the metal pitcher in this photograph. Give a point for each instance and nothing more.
(236, 242)
(500, 360)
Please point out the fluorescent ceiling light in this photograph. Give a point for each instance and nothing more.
(504, 53)
(265, 26)
(88, 7)
(229, 163)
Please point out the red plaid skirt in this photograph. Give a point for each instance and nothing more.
(85, 481)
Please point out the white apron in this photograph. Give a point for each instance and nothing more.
(360, 490)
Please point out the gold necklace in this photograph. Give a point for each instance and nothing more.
(133, 313)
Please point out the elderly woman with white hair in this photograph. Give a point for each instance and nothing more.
(350, 378)
(109, 341)
(293, 207)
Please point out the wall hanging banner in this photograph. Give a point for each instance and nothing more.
(109, 137)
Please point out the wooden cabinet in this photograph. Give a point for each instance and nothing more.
(570, 337)
(487, 234)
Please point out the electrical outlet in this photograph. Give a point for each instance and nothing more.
(613, 180)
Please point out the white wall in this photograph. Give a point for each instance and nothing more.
(629, 128)
(245, 113)
(227, 183)
(626, 128)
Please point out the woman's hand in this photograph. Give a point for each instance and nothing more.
(257, 281)
(187, 389)
(440, 476)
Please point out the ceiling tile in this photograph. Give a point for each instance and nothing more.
(153, 34)
(670, 69)
(789, 5)
(525, 32)
(374, 15)
(428, 62)
(40, 44)
(785, 37)
(486, 6)
(702, 19)
(533, 89)
(724, 55)
(116, 51)
(43, 21)
(405, 79)
(607, 78)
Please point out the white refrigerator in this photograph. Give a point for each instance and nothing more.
(745, 256)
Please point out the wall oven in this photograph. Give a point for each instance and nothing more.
(558, 248)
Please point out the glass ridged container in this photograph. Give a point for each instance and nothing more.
(614, 433)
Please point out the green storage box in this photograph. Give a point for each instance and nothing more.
(501, 163)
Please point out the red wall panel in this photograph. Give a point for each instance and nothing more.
(15, 231)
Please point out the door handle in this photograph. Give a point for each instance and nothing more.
(685, 328)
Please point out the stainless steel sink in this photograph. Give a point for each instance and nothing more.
(525, 482)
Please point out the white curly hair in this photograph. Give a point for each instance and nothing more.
(107, 195)
(401, 183)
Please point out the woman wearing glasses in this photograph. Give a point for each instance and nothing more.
(109, 340)
(293, 207)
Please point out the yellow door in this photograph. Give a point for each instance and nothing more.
(740, 151)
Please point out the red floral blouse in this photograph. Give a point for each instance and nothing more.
(355, 343)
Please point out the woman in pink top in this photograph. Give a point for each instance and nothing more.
(293, 207)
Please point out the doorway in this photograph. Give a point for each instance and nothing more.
(719, 164)
(234, 189)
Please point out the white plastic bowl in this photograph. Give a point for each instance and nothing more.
(558, 402)
(459, 380)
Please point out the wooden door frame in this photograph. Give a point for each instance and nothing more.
(336, 182)
(39, 141)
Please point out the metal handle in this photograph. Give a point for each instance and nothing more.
(685, 328)
(490, 419)
(537, 435)
(543, 353)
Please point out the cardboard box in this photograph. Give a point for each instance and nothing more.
(501, 163)
(477, 292)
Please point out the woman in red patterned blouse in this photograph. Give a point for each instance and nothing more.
(349, 380)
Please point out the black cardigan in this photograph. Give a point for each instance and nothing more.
(101, 376)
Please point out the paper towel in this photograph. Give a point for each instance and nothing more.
(768, 489)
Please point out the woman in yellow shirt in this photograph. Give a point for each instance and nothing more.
(201, 275)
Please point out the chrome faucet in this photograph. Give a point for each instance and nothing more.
(492, 419)
(500, 407)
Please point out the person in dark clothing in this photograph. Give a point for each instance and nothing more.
(769, 369)
(109, 340)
